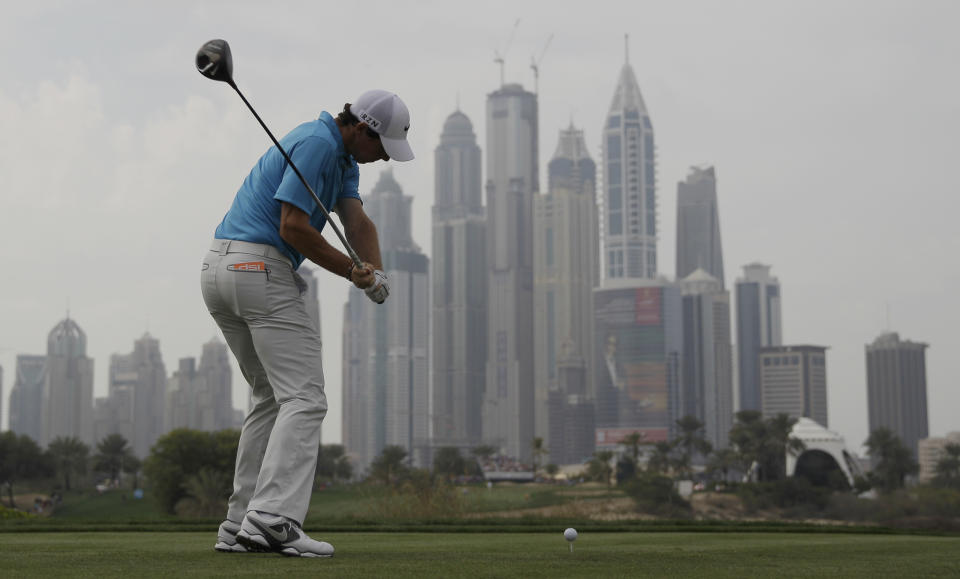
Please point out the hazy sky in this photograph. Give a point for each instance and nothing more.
(832, 125)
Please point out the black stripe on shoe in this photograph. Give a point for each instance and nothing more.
(277, 534)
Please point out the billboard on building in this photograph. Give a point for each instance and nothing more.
(610, 438)
(631, 353)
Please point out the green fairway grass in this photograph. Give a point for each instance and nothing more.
(113, 506)
(338, 504)
(361, 502)
(396, 555)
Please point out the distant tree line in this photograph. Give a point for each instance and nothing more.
(757, 454)
(67, 459)
(190, 472)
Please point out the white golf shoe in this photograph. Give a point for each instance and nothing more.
(227, 538)
(264, 532)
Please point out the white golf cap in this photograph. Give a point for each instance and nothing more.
(386, 114)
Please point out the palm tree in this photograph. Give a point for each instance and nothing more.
(448, 462)
(765, 442)
(660, 460)
(691, 442)
(600, 466)
(633, 442)
(747, 435)
(333, 463)
(552, 470)
(948, 466)
(722, 461)
(69, 455)
(539, 451)
(115, 456)
(207, 493)
(892, 460)
(344, 469)
(388, 467)
(778, 444)
(20, 458)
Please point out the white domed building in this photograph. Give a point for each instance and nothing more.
(825, 457)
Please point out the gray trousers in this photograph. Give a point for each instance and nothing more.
(256, 298)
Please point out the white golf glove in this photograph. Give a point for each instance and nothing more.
(379, 291)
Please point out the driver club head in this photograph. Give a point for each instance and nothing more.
(215, 62)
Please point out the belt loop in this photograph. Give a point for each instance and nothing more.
(224, 246)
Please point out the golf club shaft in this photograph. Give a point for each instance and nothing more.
(353, 254)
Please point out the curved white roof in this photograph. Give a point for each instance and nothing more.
(806, 429)
(817, 437)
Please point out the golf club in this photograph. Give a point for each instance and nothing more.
(215, 62)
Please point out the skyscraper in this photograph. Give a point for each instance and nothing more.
(385, 366)
(698, 225)
(758, 326)
(113, 414)
(311, 298)
(707, 391)
(638, 354)
(565, 254)
(26, 397)
(793, 381)
(137, 392)
(182, 389)
(512, 183)
(202, 398)
(897, 388)
(628, 224)
(459, 280)
(217, 375)
(638, 320)
(67, 408)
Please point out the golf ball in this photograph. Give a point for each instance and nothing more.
(570, 534)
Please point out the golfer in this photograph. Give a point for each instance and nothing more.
(252, 289)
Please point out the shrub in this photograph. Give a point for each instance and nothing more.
(849, 507)
(419, 495)
(626, 470)
(207, 494)
(796, 494)
(182, 453)
(6, 513)
(654, 494)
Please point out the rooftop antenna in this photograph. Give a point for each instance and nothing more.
(498, 57)
(535, 65)
(626, 48)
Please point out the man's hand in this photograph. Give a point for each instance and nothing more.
(379, 290)
(362, 276)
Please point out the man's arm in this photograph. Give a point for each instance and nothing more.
(360, 231)
(296, 230)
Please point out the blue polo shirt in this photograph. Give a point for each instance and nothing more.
(316, 148)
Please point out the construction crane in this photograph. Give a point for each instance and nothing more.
(535, 65)
(498, 57)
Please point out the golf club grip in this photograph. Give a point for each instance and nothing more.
(346, 244)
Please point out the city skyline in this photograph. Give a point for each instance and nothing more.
(810, 181)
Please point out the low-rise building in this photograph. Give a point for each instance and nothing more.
(929, 452)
